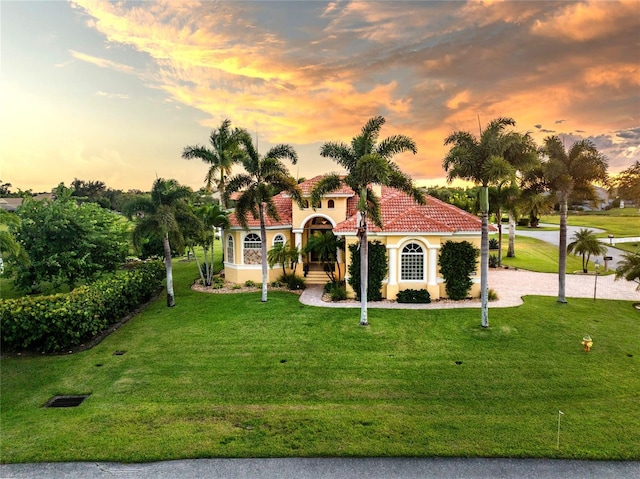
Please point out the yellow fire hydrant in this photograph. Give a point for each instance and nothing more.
(587, 342)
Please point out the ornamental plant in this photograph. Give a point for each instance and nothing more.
(457, 261)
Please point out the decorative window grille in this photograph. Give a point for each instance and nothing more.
(252, 249)
(278, 239)
(412, 263)
(230, 257)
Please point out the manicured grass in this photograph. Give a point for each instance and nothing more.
(229, 376)
(620, 226)
(536, 255)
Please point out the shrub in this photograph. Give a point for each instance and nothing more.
(493, 261)
(457, 261)
(57, 322)
(295, 283)
(492, 295)
(217, 282)
(377, 270)
(493, 243)
(337, 290)
(524, 222)
(250, 284)
(414, 296)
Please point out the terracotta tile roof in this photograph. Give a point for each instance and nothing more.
(400, 214)
(283, 204)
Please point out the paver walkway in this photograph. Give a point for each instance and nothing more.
(511, 285)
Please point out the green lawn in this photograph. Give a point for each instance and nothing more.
(229, 376)
(536, 255)
(620, 226)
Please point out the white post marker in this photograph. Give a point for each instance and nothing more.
(560, 413)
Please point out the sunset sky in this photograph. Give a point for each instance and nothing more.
(114, 91)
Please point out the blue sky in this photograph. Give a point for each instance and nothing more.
(113, 91)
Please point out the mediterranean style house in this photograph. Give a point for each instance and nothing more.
(412, 234)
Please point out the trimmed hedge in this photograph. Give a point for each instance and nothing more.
(413, 296)
(56, 322)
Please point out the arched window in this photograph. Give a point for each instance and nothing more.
(278, 239)
(230, 257)
(412, 263)
(252, 249)
(331, 204)
(305, 203)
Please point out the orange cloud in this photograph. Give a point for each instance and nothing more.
(589, 20)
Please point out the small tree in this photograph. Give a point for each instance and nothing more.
(457, 261)
(629, 268)
(377, 270)
(66, 242)
(326, 245)
(586, 243)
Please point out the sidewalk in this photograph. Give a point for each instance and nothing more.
(511, 285)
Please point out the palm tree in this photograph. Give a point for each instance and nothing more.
(221, 157)
(162, 213)
(367, 163)
(503, 198)
(629, 268)
(280, 254)
(212, 217)
(571, 175)
(263, 176)
(586, 243)
(487, 160)
(326, 245)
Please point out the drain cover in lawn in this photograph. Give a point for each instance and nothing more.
(66, 401)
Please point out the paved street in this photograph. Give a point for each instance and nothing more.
(332, 468)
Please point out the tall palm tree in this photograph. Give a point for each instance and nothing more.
(162, 213)
(571, 175)
(493, 157)
(263, 175)
(586, 243)
(221, 157)
(367, 163)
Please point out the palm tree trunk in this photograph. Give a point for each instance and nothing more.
(511, 250)
(171, 300)
(484, 257)
(263, 247)
(562, 249)
(364, 270)
(499, 236)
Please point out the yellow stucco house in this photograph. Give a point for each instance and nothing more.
(412, 234)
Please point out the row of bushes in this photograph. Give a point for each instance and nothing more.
(56, 322)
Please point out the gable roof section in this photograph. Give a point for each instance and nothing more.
(307, 186)
(283, 205)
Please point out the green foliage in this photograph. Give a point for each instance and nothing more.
(493, 261)
(494, 243)
(492, 295)
(585, 242)
(325, 246)
(414, 296)
(377, 270)
(457, 261)
(57, 322)
(295, 283)
(337, 290)
(217, 282)
(67, 243)
(250, 284)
